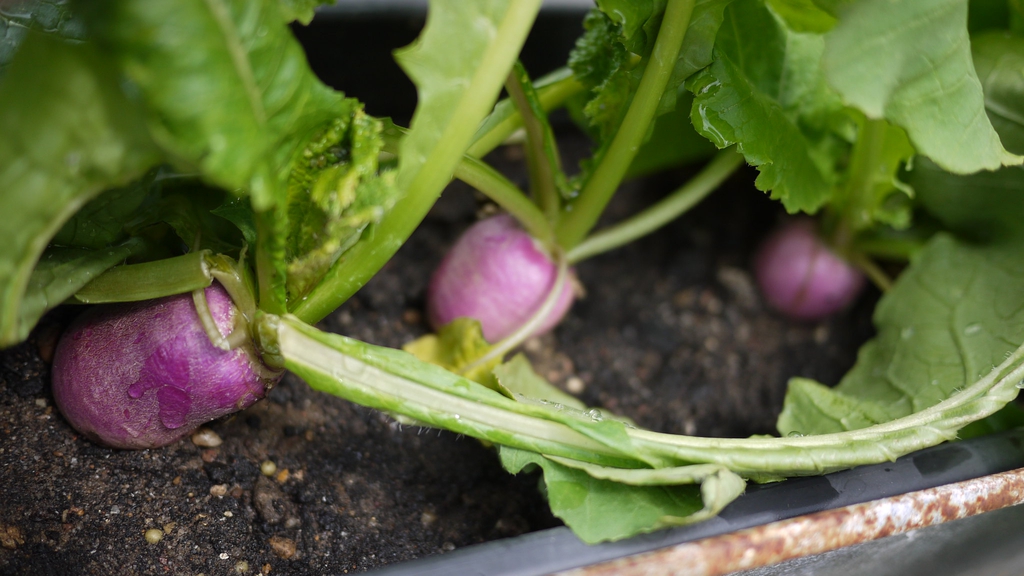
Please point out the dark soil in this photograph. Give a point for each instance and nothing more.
(671, 333)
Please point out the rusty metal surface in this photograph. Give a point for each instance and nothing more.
(989, 544)
(557, 549)
(821, 532)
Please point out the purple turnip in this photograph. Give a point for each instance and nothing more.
(144, 375)
(801, 277)
(499, 275)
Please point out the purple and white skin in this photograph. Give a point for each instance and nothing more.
(146, 374)
(498, 274)
(801, 277)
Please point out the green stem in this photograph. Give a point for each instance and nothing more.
(899, 249)
(380, 242)
(849, 211)
(552, 91)
(207, 321)
(605, 179)
(271, 231)
(874, 273)
(542, 173)
(230, 275)
(504, 193)
(149, 280)
(668, 209)
(495, 186)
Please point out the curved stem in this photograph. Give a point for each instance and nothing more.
(874, 273)
(535, 321)
(504, 193)
(824, 452)
(898, 249)
(494, 185)
(581, 216)
(552, 91)
(229, 273)
(149, 280)
(206, 319)
(666, 210)
(541, 167)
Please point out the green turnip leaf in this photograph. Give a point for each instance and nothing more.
(999, 61)
(600, 508)
(94, 140)
(954, 315)
(913, 68)
(49, 17)
(765, 93)
(983, 207)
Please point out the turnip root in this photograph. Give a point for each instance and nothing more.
(499, 275)
(146, 374)
(801, 277)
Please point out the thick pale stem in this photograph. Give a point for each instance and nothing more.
(328, 369)
(396, 382)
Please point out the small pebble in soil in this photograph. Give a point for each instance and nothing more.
(282, 547)
(533, 345)
(241, 567)
(575, 385)
(154, 535)
(740, 286)
(218, 490)
(206, 438)
(427, 518)
(11, 537)
(268, 468)
(411, 316)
